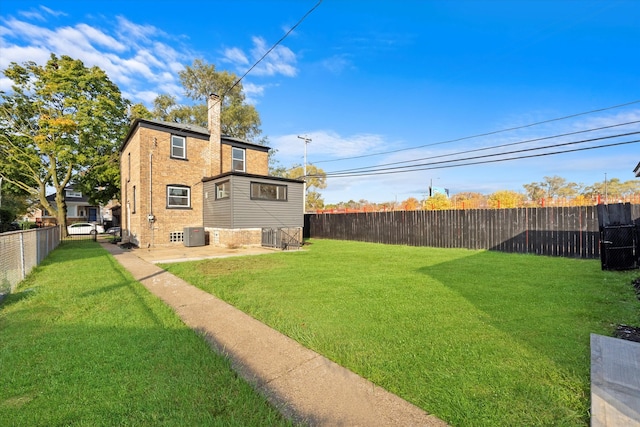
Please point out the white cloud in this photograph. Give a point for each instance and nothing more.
(141, 59)
(20, 54)
(235, 56)
(101, 38)
(280, 61)
(52, 12)
(326, 144)
(37, 15)
(134, 56)
(128, 30)
(32, 14)
(337, 64)
(253, 92)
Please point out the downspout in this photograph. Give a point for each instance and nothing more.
(150, 185)
(151, 218)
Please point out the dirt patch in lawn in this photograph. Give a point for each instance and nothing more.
(627, 332)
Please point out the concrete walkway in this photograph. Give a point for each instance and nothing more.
(615, 382)
(305, 386)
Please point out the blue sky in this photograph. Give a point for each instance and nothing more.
(379, 82)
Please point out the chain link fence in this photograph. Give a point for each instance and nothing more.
(20, 251)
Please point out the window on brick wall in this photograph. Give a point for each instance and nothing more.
(178, 196)
(237, 159)
(178, 147)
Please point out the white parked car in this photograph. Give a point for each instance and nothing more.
(84, 228)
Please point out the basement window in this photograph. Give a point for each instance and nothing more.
(176, 236)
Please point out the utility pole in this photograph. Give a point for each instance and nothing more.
(1, 191)
(304, 171)
(606, 198)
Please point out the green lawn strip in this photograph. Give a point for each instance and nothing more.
(475, 337)
(83, 343)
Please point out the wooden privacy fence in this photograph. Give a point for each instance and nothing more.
(556, 231)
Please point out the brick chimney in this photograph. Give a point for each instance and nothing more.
(213, 124)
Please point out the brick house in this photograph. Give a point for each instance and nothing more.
(176, 175)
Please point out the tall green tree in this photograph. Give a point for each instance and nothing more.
(316, 179)
(613, 189)
(314, 201)
(552, 187)
(62, 123)
(139, 111)
(237, 118)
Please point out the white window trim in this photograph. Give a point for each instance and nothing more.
(184, 147)
(220, 194)
(180, 187)
(235, 150)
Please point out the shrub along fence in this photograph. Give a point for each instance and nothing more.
(20, 251)
(555, 231)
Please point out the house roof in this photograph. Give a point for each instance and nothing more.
(186, 127)
(84, 199)
(637, 170)
(250, 175)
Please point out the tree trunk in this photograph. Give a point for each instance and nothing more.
(61, 213)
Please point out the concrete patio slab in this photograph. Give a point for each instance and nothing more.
(615, 382)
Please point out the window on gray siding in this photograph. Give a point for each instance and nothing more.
(237, 159)
(223, 190)
(178, 196)
(178, 147)
(264, 191)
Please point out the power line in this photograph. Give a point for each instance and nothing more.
(438, 165)
(483, 134)
(496, 160)
(487, 148)
(271, 49)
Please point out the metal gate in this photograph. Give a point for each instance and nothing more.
(619, 249)
(283, 238)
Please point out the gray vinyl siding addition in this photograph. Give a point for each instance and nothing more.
(240, 211)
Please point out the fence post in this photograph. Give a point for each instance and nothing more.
(22, 261)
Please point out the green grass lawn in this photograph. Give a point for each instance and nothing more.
(83, 344)
(477, 338)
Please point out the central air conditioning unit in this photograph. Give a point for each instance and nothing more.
(193, 236)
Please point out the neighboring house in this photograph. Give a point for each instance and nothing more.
(637, 171)
(78, 209)
(175, 176)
